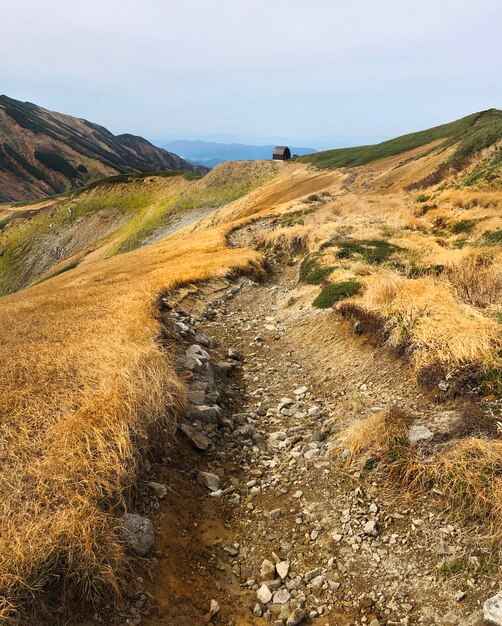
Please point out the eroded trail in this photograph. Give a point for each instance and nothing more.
(279, 529)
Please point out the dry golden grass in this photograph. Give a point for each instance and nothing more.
(374, 434)
(86, 389)
(469, 472)
(424, 317)
(477, 279)
(85, 385)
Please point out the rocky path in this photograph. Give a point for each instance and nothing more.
(264, 522)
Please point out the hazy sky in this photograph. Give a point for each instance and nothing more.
(315, 72)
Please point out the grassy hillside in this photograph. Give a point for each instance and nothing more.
(112, 216)
(81, 411)
(469, 135)
(88, 389)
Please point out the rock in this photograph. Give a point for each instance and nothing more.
(223, 369)
(197, 352)
(370, 528)
(264, 594)
(296, 617)
(159, 489)
(300, 391)
(282, 569)
(204, 340)
(197, 439)
(443, 385)
(204, 413)
(267, 570)
(419, 433)
(234, 354)
(231, 550)
(214, 609)
(312, 573)
(138, 533)
(374, 622)
(492, 610)
(206, 479)
(281, 596)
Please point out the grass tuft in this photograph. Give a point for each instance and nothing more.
(335, 292)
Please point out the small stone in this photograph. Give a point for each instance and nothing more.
(300, 391)
(492, 610)
(419, 433)
(267, 570)
(159, 489)
(370, 528)
(281, 596)
(214, 608)
(234, 354)
(296, 617)
(197, 439)
(264, 594)
(282, 569)
(231, 550)
(211, 481)
(374, 622)
(138, 533)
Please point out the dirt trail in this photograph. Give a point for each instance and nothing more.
(352, 550)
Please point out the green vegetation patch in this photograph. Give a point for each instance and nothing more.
(373, 251)
(312, 271)
(464, 226)
(296, 218)
(493, 237)
(57, 163)
(335, 292)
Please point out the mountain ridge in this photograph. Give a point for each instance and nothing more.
(44, 152)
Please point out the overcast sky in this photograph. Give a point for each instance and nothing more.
(314, 72)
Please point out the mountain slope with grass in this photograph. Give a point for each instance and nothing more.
(465, 137)
(328, 341)
(43, 152)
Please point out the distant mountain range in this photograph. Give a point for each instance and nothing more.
(211, 153)
(45, 153)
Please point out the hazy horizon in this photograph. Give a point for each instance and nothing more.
(323, 75)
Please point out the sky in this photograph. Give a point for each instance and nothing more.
(317, 73)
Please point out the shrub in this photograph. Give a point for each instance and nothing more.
(463, 226)
(312, 272)
(337, 291)
(374, 251)
(493, 237)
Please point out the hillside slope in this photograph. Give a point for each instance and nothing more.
(391, 300)
(467, 136)
(43, 152)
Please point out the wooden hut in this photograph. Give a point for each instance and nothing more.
(281, 153)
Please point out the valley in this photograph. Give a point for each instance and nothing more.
(269, 394)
